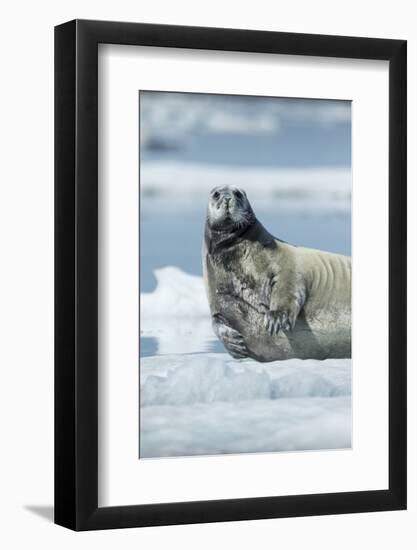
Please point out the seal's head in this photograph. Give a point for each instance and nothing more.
(229, 210)
(230, 219)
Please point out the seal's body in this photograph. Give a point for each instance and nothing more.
(270, 300)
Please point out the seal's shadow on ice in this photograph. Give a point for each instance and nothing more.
(270, 300)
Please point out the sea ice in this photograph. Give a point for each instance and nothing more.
(211, 404)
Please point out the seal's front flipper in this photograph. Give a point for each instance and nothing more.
(281, 302)
(232, 339)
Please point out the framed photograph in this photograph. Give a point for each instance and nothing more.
(230, 255)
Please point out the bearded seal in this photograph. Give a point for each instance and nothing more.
(270, 300)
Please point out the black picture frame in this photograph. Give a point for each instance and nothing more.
(76, 272)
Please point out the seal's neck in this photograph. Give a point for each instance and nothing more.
(218, 240)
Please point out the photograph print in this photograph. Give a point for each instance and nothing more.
(245, 274)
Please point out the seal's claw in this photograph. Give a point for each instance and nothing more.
(235, 344)
(232, 339)
(276, 321)
(237, 352)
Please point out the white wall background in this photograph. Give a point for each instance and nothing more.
(26, 287)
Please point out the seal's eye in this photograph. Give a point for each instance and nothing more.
(216, 195)
(238, 194)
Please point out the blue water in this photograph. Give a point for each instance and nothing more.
(305, 133)
(297, 147)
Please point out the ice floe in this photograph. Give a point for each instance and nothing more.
(322, 187)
